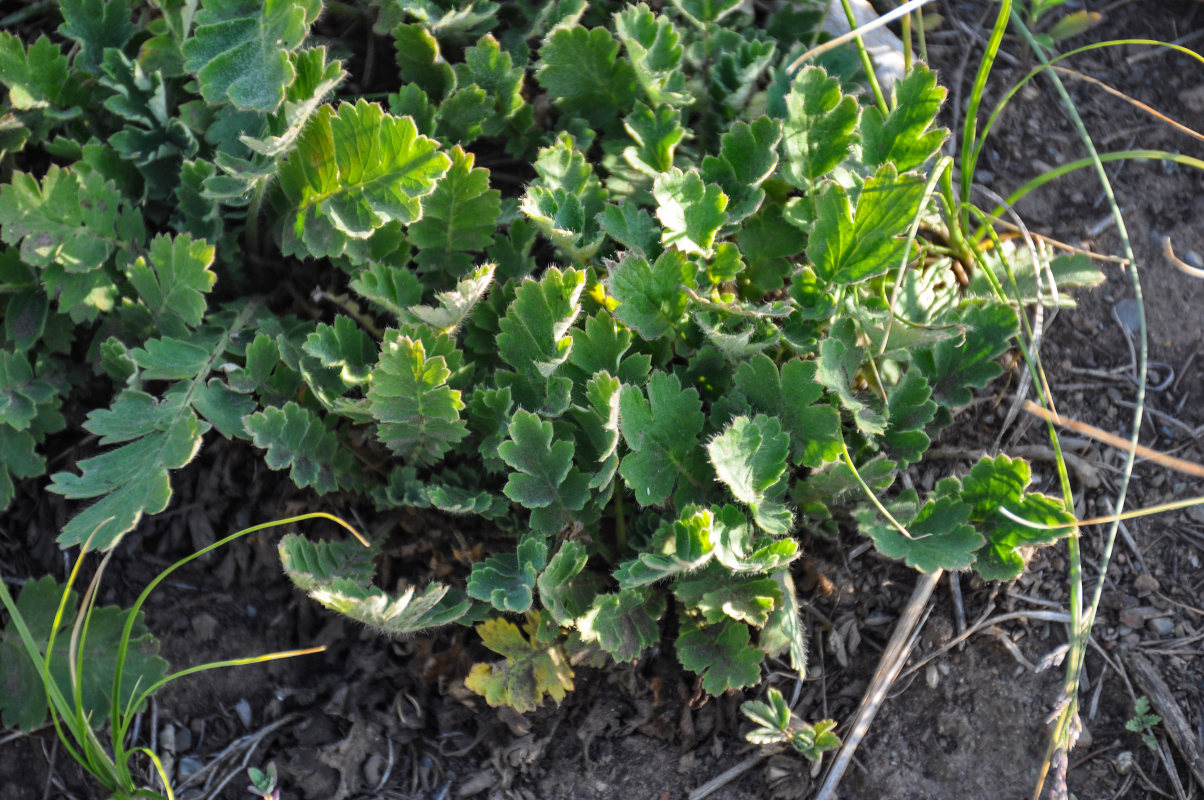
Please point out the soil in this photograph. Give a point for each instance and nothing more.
(371, 718)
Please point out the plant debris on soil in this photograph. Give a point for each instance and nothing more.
(373, 718)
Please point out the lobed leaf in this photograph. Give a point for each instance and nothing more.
(533, 337)
(239, 51)
(791, 395)
(848, 247)
(662, 432)
(172, 281)
(653, 46)
(691, 211)
(458, 218)
(581, 70)
(353, 172)
(682, 545)
(905, 136)
(955, 366)
(295, 438)
(819, 128)
(941, 537)
(529, 671)
(720, 654)
(1002, 482)
(750, 457)
(652, 298)
(37, 77)
(839, 360)
(624, 624)
(418, 412)
(96, 25)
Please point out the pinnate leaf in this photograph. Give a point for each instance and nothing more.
(721, 654)
(239, 49)
(172, 281)
(458, 218)
(624, 624)
(530, 670)
(1002, 482)
(418, 412)
(454, 307)
(662, 431)
(23, 699)
(819, 126)
(339, 576)
(904, 136)
(691, 211)
(750, 457)
(354, 171)
(296, 438)
(76, 221)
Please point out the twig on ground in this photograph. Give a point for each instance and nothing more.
(1163, 703)
(959, 610)
(724, 778)
(901, 643)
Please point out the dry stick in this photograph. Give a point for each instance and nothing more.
(1170, 462)
(1154, 687)
(724, 778)
(896, 653)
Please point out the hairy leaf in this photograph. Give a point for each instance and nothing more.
(507, 580)
(653, 45)
(458, 218)
(955, 366)
(529, 672)
(18, 459)
(679, 546)
(354, 171)
(651, 298)
(691, 211)
(581, 70)
(721, 654)
(97, 25)
(172, 281)
(839, 360)
(556, 583)
(239, 50)
(339, 576)
(565, 201)
(739, 548)
(750, 457)
(784, 630)
(819, 126)
(656, 134)
(720, 596)
(455, 306)
(534, 336)
(418, 412)
(791, 396)
(904, 136)
(76, 221)
(909, 408)
(748, 155)
(343, 346)
(295, 437)
(624, 624)
(849, 248)
(420, 61)
(632, 227)
(662, 432)
(545, 479)
(941, 537)
(37, 77)
(1001, 483)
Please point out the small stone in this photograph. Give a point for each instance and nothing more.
(243, 709)
(204, 626)
(1146, 583)
(1193, 98)
(189, 765)
(1162, 626)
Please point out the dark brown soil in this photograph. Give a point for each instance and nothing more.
(371, 718)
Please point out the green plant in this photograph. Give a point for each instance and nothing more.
(109, 670)
(263, 782)
(705, 323)
(1142, 722)
(778, 724)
